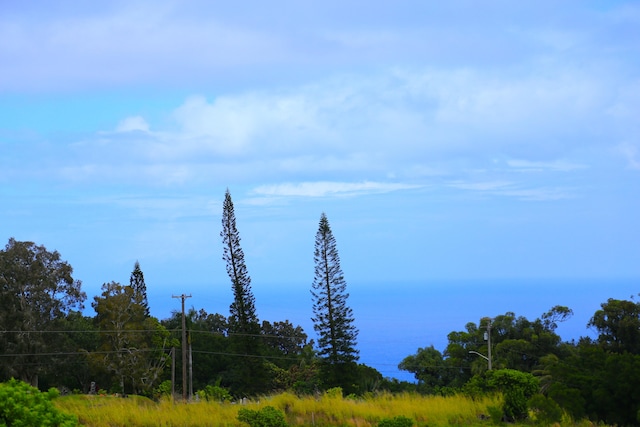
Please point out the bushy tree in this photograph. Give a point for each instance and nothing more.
(333, 319)
(36, 287)
(517, 343)
(132, 345)
(73, 367)
(284, 339)
(595, 382)
(429, 368)
(209, 343)
(618, 325)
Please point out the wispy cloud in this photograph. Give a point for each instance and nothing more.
(556, 165)
(514, 190)
(481, 186)
(133, 123)
(328, 188)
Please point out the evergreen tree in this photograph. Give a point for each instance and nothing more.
(247, 377)
(333, 319)
(136, 281)
(243, 319)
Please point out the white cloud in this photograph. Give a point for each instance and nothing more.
(409, 124)
(133, 123)
(401, 115)
(328, 188)
(262, 121)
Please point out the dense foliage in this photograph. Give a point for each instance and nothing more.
(36, 291)
(264, 417)
(24, 405)
(596, 379)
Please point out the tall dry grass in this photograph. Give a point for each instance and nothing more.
(107, 411)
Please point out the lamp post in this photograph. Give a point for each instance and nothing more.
(487, 337)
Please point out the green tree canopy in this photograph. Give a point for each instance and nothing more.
(618, 325)
(36, 287)
(429, 368)
(132, 345)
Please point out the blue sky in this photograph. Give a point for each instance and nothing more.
(451, 141)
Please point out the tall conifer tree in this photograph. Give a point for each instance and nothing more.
(136, 281)
(333, 319)
(243, 318)
(248, 375)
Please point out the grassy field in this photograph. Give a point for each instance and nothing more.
(432, 411)
(103, 411)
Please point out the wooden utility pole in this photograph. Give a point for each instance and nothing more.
(184, 347)
(173, 373)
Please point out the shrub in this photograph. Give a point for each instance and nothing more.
(516, 388)
(265, 417)
(162, 390)
(214, 393)
(24, 405)
(334, 393)
(545, 410)
(399, 421)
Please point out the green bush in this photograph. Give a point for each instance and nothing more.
(214, 393)
(334, 393)
(265, 417)
(399, 421)
(517, 387)
(23, 405)
(163, 390)
(545, 410)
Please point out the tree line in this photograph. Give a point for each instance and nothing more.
(48, 341)
(588, 378)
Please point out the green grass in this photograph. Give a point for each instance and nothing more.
(432, 411)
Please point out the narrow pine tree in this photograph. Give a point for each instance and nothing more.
(243, 318)
(248, 375)
(136, 281)
(333, 320)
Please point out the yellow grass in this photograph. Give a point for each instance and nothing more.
(99, 411)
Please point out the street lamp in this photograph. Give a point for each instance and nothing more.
(487, 337)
